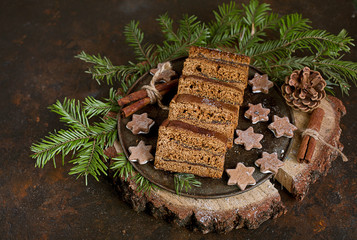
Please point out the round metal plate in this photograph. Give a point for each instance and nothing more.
(211, 188)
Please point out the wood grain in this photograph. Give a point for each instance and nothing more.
(297, 177)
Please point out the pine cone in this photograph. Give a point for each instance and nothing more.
(304, 89)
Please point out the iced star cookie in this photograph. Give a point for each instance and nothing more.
(140, 153)
(241, 175)
(269, 163)
(260, 83)
(281, 127)
(257, 113)
(249, 139)
(140, 124)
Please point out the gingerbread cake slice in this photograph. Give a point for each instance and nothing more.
(215, 54)
(211, 89)
(205, 113)
(222, 66)
(236, 75)
(186, 148)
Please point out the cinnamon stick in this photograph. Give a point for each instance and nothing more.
(303, 149)
(308, 143)
(136, 106)
(111, 115)
(143, 94)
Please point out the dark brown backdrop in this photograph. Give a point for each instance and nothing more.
(38, 40)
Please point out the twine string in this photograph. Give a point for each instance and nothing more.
(312, 133)
(151, 90)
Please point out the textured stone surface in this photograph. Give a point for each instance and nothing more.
(38, 41)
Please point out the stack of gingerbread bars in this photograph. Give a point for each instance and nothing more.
(204, 113)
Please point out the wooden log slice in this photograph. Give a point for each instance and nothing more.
(248, 209)
(297, 177)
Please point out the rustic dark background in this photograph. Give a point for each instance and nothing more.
(38, 40)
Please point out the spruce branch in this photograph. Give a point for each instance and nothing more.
(338, 72)
(128, 74)
(167, 29)
(190, 32)
(255, 16)
(312, 40)
(94, 107)
(143, 184)
(292, 23)
(102, 68)
(85, 141)
(284, 66)
(134, 37)
(225, 30)
(105, 131)
(71, 113)
(61, 142)
(122, 167)
(193, 31)
(256, 19)
(185, 180)
(89, 161)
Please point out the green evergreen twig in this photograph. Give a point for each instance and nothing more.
(143, 184)
(185, 180)
(86, 141)
(102, 68)
(122, 167)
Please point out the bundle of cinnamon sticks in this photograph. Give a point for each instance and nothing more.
(139, 99)
(308, 143)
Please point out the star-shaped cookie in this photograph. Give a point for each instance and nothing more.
(257, 113)
(241, 175)
(141, 153)
(269, 163)
(282, 127)
(166, 74)
(140, 123)
(260, 83)
(249, 139)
